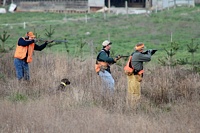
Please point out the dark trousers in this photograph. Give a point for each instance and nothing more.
(22, 69)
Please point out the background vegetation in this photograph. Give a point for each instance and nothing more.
(170, 93)
(154, 30)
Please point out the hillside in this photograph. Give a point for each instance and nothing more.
(155, 30)
(170, 94)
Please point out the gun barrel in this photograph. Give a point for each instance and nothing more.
(124, 56)
(58, 41)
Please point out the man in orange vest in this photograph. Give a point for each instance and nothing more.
(23, 54)
(103, 66)
(134, 80)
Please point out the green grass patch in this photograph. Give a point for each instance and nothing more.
(18, 97)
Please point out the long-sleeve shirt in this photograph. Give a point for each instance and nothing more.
(138, 58)
(22, 42)
(104, 57)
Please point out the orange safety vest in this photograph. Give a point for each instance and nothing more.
(129, 69)
(21, 51)
(100, 65)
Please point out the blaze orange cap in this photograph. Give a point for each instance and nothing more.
(30, 34)
(139, 47)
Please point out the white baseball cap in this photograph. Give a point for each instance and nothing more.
(106, 42)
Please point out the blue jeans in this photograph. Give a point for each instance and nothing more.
(22, 69)
(108, 81)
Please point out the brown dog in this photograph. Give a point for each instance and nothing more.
(64, 82)
(62, 87)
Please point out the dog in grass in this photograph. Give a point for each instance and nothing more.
(72, 92)
(64, 82)
(61, 87)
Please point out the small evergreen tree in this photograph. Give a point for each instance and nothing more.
(192, 48)
(49, 33)
(169, 59)
(3, 39)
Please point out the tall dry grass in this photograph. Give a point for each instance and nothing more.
(169, 103)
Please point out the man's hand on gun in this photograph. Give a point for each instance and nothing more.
(117, 58)
(151, 51)
(47, 42)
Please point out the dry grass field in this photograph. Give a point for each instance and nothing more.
(170, 100)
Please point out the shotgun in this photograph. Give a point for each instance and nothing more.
(57, 41)
(152, 51)
(124, 56)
